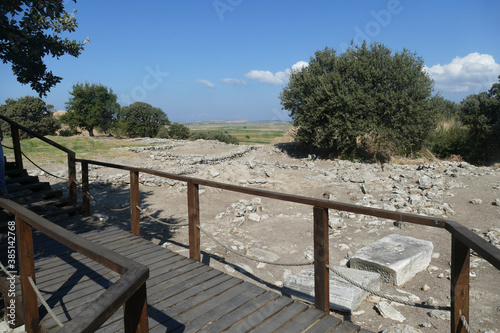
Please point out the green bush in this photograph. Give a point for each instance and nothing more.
(214, 135)
(178, 131)
(69, 132)
(445, 142)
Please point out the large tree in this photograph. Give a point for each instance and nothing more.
(481, 114)
(141, 120)
(31, 112)
(367, 95)
(30, 31)
(91, 106)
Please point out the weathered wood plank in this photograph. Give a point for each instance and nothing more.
(347, 327)
(250, 322)
(282, 318)
(303, 321)
(222, 309)
(326, 324)
(240, 313)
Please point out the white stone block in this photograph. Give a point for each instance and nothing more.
(343, 295)
(397, 258)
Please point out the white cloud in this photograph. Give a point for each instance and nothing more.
(473, 72)
(234, 82)
(206, 82)
(276, 78)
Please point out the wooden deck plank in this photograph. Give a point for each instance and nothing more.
(162, 320)
(183, 295)
(325, 324)
(258, 317)
(221, 310)
(302, 322)
(281, 318)
(238, 314)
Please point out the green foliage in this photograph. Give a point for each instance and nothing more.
(31, 31)
(444, 109)
(214, 135)
(31, 112)
(445, 142)
(178, 131)
(141, 120)
(69, 132)
(365, 96)
(481, 114)
(91, 106)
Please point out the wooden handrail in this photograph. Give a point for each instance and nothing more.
(463, 239)
(131, 285)
(15, 127)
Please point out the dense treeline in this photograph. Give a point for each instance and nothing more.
(95, 107)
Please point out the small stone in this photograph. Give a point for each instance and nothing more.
(244, 268)
(214, 173)
(254, 217)
(476, 201)
(365, 188)
(431, 301)
(401, 328)
(441, 275)
(435, 255)
(261, 265)
(496, 202)
(263, 254)
(425, 287)
(440, 314)
(344, 262)
(229, 269)
(387, 311)
(357, 313)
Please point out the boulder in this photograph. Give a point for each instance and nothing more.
(343, 295)
(397, 258)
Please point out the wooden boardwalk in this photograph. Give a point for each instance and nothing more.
(183, 295)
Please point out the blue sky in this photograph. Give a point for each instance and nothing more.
(228, 59)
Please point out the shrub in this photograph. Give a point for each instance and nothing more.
(214, 135)
(445, 142)
(69, 132)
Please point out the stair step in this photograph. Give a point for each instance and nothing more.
(46, 194)
(15, 172)
(49, 202)
(21, 180)
(34, 186)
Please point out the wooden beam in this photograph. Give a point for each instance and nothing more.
(321, 260)
(73, 193)
(136, 312)
(460, 269)
(134, 203)
(26, 269)
(16, 143)
(85, 189)
(194, 221)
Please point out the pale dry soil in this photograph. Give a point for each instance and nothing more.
(286, 229)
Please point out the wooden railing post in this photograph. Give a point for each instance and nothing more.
(134, 203)
(194, 221)
(136, 312)
(72, 177)
(85, 188)
(460, 270)
(26, 269)
(16, 143)
(321, 260)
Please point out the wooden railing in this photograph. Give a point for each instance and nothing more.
(18, 157)
(129, 290)
(463, 240)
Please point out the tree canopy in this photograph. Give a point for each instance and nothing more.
(31, 112)
(30, 31)
(367, 95)
(178, 131)
(91, 106)
(141, 120)
(481, 114)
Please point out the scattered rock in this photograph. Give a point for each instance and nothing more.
(397, 258)
(425, 287)
(343, 295)
(440, 314)
(387, 311)
(254, 217)
(401, 328)
(476, 201)
(263, 254)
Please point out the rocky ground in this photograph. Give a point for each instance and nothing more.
(282, 231)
